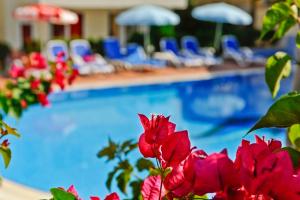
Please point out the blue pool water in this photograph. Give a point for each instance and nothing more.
(59, 144)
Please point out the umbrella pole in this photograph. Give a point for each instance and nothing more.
(40, 36)
(147, 39)
(218, 35)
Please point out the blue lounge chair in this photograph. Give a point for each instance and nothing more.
(170, 46)
(112, 49)
(83, 57)
(134, 56)
(242, 56)
(191, 47)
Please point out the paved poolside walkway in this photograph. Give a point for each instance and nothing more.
(168, 74)
(13, 191)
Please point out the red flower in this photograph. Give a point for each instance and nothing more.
(16, 71)
(59, 78)
(5, 143)
(73, 76)
(175, 149)
(35, 84)
(37, 61)
(42, 98)
(211, 174)
(156, 132)
(151, 188)
(266, 170)
(23, 103)
(112, 196)
(95, 198)
(177, 184)
(73, 191)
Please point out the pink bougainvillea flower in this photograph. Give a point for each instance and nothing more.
(156, 132)
(176, 148)
(157, 129)
(265, 170)
(152, 188)
(73, 191)
(95, 198)
(211, 173)
(112, 196)
(146, 149)
(177, 184)
(42, 98)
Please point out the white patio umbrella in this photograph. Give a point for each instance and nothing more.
(221, 13)
(45, 13)
(147, 15)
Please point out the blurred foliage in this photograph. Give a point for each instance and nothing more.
(96, 45)
(31, 46)
(126, 173)
(5, 50)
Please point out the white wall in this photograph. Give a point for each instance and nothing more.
(95, 23)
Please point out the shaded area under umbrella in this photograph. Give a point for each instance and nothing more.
(147, 15)
(221, 13)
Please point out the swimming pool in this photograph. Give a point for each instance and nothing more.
(59, 144)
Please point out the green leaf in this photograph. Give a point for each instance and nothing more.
(10, 130)
(144, 164)
(294, 154)
(278, 67)
(110, 177)
(128, 146)
(123, 180)
(284, 113)
(284, 26)
(59, 194)
(109, 151)
(136, 189)
(294, 135)
(154, 172)
(298, 40)
(275, 15)
(297, 2)
(6, 155)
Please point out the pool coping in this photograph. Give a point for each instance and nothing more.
(14, 191)
(161, 79)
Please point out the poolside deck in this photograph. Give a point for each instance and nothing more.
(14, 191)
(168, 74)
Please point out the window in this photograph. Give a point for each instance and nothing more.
(26, 32)
(76, 29)
(58, 31)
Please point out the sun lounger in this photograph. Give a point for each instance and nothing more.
(83, 57)
(170, 48)
(133, 56)
(242, 56)
(192, 48)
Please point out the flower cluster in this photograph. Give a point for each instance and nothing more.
(71, 193)
(260, 171)
(33, 84)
